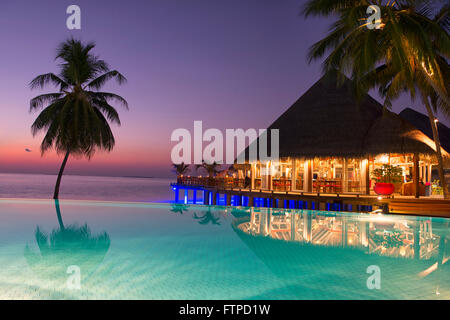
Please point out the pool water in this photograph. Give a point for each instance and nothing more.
(176, 251)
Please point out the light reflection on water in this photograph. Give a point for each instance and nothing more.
(160, 251)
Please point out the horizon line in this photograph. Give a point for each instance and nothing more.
(89, 175)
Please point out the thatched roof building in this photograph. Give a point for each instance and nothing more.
(328, 121)
(332, 142)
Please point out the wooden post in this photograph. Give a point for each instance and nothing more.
(194, 196)
(228, 196)
(367, 176)
(416, 175)
(345, 175)
(252, 176)
(269, 178)
(177, 193)
(251, 201)
(206, 196)
(309, 177)
(293, 175)
(274, 202)
(214, 198)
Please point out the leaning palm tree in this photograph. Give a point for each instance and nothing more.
(406, 54)
(76, 118)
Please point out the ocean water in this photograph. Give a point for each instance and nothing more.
(106, 250)
(39, 186)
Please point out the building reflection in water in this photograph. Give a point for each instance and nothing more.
(407, 237)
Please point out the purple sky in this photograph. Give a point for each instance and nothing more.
(229, 63)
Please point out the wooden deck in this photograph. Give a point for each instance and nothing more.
(421, 206)
(436, 207)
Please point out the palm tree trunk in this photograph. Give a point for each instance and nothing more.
(58, 181)
(438, 146)
(58, 214)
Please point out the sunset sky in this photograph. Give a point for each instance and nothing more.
(229, 63)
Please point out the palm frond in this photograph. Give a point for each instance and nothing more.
(44, 79)
(111, 113)
(109, 97)
(101, 80)
(39, 101)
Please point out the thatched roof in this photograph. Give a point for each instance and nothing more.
(328, 121)
(422, 122)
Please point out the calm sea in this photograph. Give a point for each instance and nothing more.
(41, 186)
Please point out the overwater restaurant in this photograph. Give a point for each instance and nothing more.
(330, 142)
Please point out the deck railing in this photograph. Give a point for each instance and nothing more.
(277, 184)
(214, 182)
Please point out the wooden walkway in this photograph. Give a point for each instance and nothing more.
(321, 201)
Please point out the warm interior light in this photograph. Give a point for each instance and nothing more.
(382, 158)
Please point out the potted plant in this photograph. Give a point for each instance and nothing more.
(385, 177)
(436, 189)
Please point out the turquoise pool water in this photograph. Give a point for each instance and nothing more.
(163, 251)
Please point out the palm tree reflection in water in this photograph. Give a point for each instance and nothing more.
(179, 208)
(66, 246)
(207, 217)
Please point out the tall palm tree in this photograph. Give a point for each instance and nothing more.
(406, 54)
(76, 118)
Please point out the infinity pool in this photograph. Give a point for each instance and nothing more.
(163, 251)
